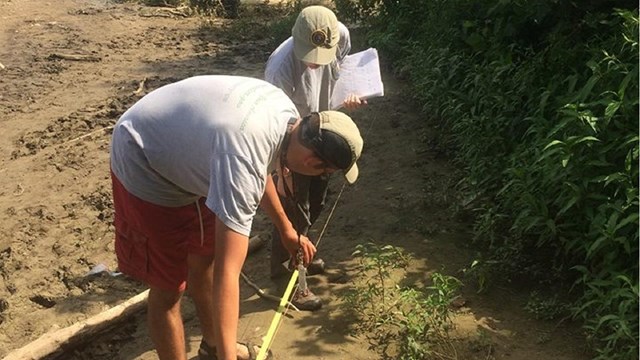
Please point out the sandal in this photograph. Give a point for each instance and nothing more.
(253, 355)
(207, 352)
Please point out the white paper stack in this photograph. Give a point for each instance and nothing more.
(359, 75)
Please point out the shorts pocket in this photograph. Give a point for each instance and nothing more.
(131, 250)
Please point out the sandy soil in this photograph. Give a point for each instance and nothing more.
(71, 67)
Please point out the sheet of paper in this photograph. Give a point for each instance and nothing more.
(360, 75)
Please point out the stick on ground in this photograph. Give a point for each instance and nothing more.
(74, 57)
(261, 293)
(62, 340)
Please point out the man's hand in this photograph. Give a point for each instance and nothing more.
(288, 235)
(353, 102)
(290, 242)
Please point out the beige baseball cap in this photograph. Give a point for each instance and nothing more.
(316, 35)
(335, 138)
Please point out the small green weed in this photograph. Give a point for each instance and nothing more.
(406, 323)
(545, 308)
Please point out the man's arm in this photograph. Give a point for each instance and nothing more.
(230, 252)
(344, 45)
(281, 77)
(279, 68)
(272, 205)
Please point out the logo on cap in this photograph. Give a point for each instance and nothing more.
(319, 38)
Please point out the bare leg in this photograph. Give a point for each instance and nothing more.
(200, 285)
(165, 324)
(297, 216)
(201, 291)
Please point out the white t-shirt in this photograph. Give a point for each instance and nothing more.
(309, 89)
(206, 136)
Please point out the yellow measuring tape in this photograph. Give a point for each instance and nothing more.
(268, 339)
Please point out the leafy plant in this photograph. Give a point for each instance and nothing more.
(539, 103)
(405, 322)
(545, 307)
(375, 266)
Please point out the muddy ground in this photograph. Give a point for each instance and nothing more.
(71, 67)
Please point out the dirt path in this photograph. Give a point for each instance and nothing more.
(71, 67)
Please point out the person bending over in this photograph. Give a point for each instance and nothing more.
(190, 165)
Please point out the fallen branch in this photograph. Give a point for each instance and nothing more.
(64, 339)
(180, 11)
(74, 57)
(87, 134)
(166, 12)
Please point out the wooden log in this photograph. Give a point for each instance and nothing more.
(62, 340)
(261, 293)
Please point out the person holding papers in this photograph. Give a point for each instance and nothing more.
(306, 67)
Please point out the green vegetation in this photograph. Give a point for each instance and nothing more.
(545, 307)
(538, 104)
(409, 322)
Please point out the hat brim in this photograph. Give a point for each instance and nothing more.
(351, 175)
(314, 55)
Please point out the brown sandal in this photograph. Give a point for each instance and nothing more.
(206, 352)
(253, 355)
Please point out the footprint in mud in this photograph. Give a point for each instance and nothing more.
(100, 200)
(4, 306)
(43, 300)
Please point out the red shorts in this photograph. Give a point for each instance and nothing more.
(153, 241)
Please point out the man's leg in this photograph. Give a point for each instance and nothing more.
(149, 249)
(317, 196)
(298, 213)
(279, 255)
(200, 287)
(165, 324)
